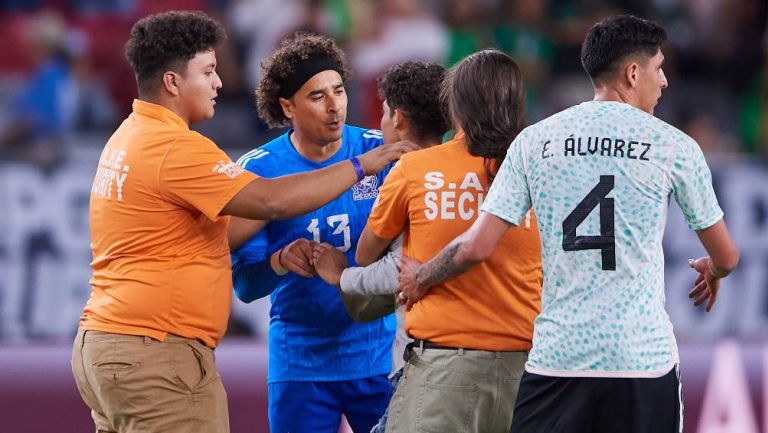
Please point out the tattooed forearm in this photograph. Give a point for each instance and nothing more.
(446, 265)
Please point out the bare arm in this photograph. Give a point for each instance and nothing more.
(370, 247)
(470, 248)
(241, 229)
(723, 253)
(722, 260)
(289, 196)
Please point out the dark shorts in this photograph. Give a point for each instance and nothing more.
(547, 404)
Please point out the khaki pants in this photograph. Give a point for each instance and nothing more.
(137, 384)
(444, 391)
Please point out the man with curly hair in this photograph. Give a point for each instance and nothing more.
(321, 362)
(411, 110)
(143, 356)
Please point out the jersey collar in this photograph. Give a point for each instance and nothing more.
(160, 113)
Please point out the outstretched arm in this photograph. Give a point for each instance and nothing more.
(378, 278)
(722, 260)
(289, 196)
(367, 292)
(470, 248)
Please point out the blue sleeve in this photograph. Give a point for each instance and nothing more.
(252, 275)
(371, 139)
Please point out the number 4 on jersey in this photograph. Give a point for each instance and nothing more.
(605, 242)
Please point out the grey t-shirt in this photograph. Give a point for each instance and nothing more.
(368, 293)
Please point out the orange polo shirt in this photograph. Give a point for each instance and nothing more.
(433, 195)
(160, 256)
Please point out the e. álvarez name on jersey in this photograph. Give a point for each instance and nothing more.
(602, 146)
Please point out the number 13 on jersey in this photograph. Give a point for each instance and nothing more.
(340, 224)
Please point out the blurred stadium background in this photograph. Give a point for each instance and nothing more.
(64, 86)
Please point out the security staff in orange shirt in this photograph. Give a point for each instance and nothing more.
(159, 206)
(472, 333)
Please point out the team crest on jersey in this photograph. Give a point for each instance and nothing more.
(228, 168)
(366, 188)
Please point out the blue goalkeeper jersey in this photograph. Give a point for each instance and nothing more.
(311, 335)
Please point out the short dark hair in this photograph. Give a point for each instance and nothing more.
(167, 41)
(486, 99)
(282, 63)
(414, 89)
(617, 37)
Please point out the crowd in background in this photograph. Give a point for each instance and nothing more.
(63, 78)
(65, 85)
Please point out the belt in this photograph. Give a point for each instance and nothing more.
(426, 344)
(422, 344)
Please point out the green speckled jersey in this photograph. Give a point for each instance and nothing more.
(599, 176)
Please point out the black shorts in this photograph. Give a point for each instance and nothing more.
(547, 404)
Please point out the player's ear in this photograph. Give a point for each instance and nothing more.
(171, 82)
(287, 107)
(631, 72)
(398, 120)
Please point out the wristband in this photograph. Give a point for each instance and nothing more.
(358, 168)
(274, 262)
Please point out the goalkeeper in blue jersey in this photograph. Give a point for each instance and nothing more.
(322, 364)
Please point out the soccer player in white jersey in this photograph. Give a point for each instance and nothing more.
(599, 177)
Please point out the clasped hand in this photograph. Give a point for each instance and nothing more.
(297, 257)
(329, 263)
(408, 291)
